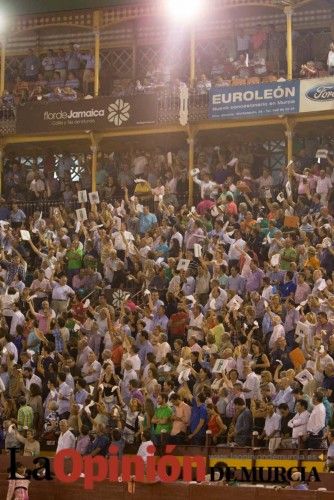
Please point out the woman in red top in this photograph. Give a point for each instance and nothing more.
(215, 424)
(231, 206)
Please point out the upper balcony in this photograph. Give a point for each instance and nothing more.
(141, 60)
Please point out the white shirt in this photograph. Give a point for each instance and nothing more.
(94, 376)
(162, 350)
(142, 450)
(299, 424)
(65, 441)
(317, 420)
(323, 185)
(33, 380)
(272, 424)
(178, 236)
(61, 292)
(17, 319)
(135, 361)
(197, 322)
(119, 243)
(330, 59)
(234, 252)
(278, 332)
(13, 350)
(252, 383)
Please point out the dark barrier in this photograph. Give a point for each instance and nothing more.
(98, 114)
(54, 490)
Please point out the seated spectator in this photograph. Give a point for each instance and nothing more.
(72, 81)
(309, 70)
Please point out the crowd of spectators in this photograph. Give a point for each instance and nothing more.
(62, 75)
(139, 318)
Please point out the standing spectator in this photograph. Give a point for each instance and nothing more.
(316, 424)
(330, 60)
(66, 439)
(48, 63)
(243, 42)
(88, 74)
(30, 66)
(60, 64)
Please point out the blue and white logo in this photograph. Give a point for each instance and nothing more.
(321, 93)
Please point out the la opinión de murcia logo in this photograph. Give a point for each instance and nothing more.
(321, 93)
(165, 469)
(118, 112)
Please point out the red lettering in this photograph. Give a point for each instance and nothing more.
(133, 462)
(59, 462)
(114, 471)
(173, 463)
(95, 470)
(188, 468)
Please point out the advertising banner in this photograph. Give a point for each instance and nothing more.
(251, 101)
(271, 99)
(101, 113)
(317, 95)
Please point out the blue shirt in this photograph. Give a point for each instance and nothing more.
(144, 349)
(287, 288)
(146, 221)
(198, 413)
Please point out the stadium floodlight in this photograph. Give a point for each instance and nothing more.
(184, 10)
(3, 22)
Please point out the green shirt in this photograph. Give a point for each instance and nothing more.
(163, 412)
(288, 255)
(25, 417)
(74, 258)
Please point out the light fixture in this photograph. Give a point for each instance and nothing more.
(183, 10)
(3, 22)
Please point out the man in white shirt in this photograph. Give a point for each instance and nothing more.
(66, 439)
(324, 185)
(162, 348)
(285, 394)
(317, 422)
(91, 369)
(299, 422)
(123, 241)
(64, 395)
(61, 293)
(278, 331)
(251, 386)
(9, 347)
(272, 426)
(195, 323)
(30, 378)
(237, 245)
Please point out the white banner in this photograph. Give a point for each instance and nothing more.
(316, 95)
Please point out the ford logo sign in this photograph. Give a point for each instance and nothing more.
(321, 93)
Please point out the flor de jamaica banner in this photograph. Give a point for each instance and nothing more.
(270, 99)
(101, 113)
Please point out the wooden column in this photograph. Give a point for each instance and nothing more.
(192, 56)
(2, 63)
(289, 52)
(191, 153)
(94, 149)
(290, 126)
(96, 25)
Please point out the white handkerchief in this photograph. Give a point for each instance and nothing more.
(25, 235)
(275, 260)
(197, 250)
(82, 196)
(94, 197)
(81, 214)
